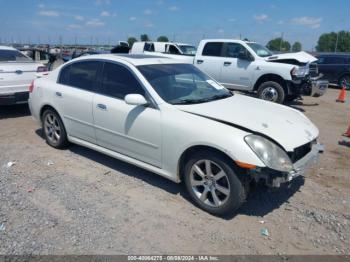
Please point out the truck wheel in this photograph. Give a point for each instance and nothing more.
(213, 184)
(344, 80)
(271, 91)
(54, 131)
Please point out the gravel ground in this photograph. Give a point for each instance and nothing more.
(77, 201)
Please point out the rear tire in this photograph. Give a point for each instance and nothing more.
(271, 91)
(54, 131)
(212, 183)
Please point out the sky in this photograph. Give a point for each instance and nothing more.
(188, 21)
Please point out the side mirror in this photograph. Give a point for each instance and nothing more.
(135, 100)
(244, 55)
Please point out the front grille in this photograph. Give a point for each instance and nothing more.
(300, 152)
(313, 69)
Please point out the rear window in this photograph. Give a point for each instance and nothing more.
(212, 49)
(13, 56)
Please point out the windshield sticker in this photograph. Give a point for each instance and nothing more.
(215, 85)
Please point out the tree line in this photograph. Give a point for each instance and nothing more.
(327, 42)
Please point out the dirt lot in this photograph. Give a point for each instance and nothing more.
(77, 201)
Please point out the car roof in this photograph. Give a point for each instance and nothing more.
(2, 47)
(225, 40)
(134, 59)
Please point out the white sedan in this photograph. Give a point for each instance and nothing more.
(172, 119)
(17, 71)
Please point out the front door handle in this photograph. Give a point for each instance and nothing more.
(200, 61)
(102, 106)
(227, 63)
(59, 94)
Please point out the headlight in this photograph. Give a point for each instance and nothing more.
(300, 71)
(269, 153)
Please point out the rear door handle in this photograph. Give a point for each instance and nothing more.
(102, 106)
(227, 63)
(59, 94)
(200, 61)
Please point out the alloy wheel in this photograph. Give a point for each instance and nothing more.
(209, 183)
(52, 128)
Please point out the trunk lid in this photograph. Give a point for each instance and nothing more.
(17, 73)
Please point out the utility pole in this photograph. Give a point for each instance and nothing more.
(336, 43)
(281, 42)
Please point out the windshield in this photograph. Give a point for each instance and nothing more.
(13, 56)
(188, 49)
(182, 84)
(260, 50)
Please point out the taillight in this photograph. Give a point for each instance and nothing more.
(31, 87)
(41, 69)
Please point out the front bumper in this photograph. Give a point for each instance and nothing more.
(319, 87)
(275, 178)
(307, 86)
(15, 98)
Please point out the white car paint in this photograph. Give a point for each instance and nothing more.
(155, 138)
(16, 76)
(301, 56)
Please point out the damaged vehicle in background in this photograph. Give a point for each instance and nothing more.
(172, 119)
(249, 66)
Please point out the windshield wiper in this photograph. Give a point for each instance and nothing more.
(202, 100)
(217, 97)
(189, 101)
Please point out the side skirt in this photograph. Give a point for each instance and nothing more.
(124, 158)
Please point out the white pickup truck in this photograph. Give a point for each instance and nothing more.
(249, 66)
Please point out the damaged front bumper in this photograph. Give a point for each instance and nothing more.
(275, 178)
(318, 87)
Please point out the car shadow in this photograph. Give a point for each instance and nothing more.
(261, 200)
(14, 111)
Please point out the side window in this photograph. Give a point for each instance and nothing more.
(173, 50)
(118, 81)
(64, 75)
(212, 49)
(233, 49)
(81, 75)
(149, 47)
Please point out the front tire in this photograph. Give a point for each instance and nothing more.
(54, 130)
(212, 183)
(271, 91)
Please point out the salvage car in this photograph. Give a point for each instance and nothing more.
(335, 68)
(172, 119)
(249, 66)
(16, 73)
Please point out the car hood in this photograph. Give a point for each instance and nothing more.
(301, 57)
(288, 127)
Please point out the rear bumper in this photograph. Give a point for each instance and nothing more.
(275, 178)
(15, 98)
